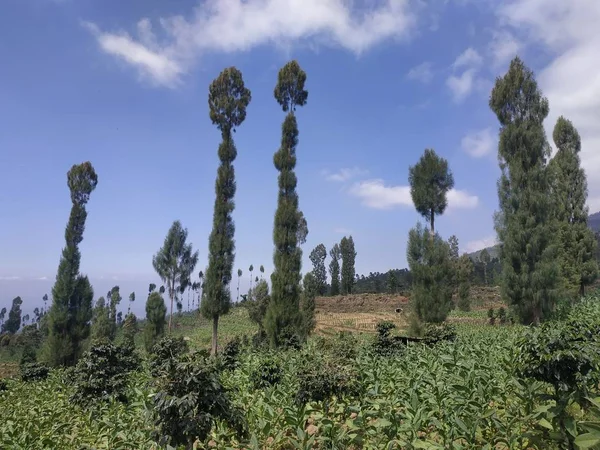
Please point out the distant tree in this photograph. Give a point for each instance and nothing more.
(283, 315)
(348, 260)
(2, 316)
(151, 288)
(179, 307)
(463, 274)
(302, 232)
(119, 317)
(114, 299)
(530, 272)
(72, 295)
(175, 262)
(429, 263)
(200, 287)
(102, 328)
(37, 314)
(334, 269)
(262, 271)
(392, 282)
(131, 300)
(13, 323)
(578, 264)
(238, 286)
(258, 300)
(155, 320)
(453, 243)
(250, 269)
(310, 290)
(317, 257)
(130, 328)
(45, 298)
(484, 259)
(161, 290)
(228, 99)
(430, 180)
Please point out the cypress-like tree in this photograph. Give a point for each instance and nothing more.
(392, 282)
(114, 298)
(2, 316)
(72, 294)
(156, 312)
(175, 262)
(464, 271)
(262, 271)
(334, 269)
(238, 286)
(228, 99)
(526, 226)
(251, 269)
(102, 328)
(13, 323)
(484, 259)
(310, 290)
(130, 328)
(283, 314)
(579, 267)
(453, 243)
(131, 300)
(317, 257)
(430, 180)
(348, 260)
(429, 262)
(258, 300)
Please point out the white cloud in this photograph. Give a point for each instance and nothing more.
(344, 174)
(469, 58)
(237, 25)
(375, 194)
(503, 47)
(10, 278)
(480, 244)
(479, 143)
(422, 73)
(461, 85)
(568, 32)
(342, 231)
(42, 278)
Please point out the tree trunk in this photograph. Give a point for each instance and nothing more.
(171, 295)
(431, 221)
(214, 335)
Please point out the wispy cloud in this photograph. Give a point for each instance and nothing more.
(462, 84)
(480, 244)
(344, 174)
(239, 25)
(10, 278)
(42, 278)
(503, 47)
(479, 143)
(422, 73)
(377, 195)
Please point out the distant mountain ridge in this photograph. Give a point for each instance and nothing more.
(593, 224)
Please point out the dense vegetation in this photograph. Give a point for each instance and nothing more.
(526, 377)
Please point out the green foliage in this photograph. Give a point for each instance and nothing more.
(13, 323)
(430, 180)
(228, 99)
(34, 372)
(72, 293)
(431, 270)
(578, 264)
(28, 356)
(317, 257)
(502, 317)
(165, 354)
(307, 304)
(385, 344)
(343, 346)
(348, 260)
(434, 333)
(464, 272)
(101, 324)
(231, 353)
(114, 298)
(283, 313)
(268, 373)
(258, 301)
(491, 316)
(102, 373)
(526, 223)
(334, 269)
(319, 381)
(189, 400)
(130, 328)
(156, 312)
(175, 261)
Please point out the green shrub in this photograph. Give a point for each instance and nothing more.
(268, 373)
(190, 398)
(3, 385)
(385, 344)
(491, 316)
(28, 356)
(433, 333)
(102, 373)
(165, 353)
(34, 372)
(321, 380)
(343, 346)
(502, 317)
(231, 352)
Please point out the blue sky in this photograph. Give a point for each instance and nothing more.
(124, 85)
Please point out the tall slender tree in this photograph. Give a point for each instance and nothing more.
(72, 294)
(578, 264)
(175, 262)
(228, 99)
(114, 298)
(250, 269)
(13, 323)
(464, 272)
(334, 269)
(525, 226)
(238, 286)
(484, 259)
(151, 288)
(2, 316)
(131, 300)
(348, 261)
(45, 298)
(317, 257)
(430, 180)
(262, 271)
(155, 320)
(101, 328)
(283, 313)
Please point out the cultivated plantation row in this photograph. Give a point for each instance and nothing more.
(432, 370)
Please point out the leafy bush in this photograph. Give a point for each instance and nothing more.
(344, 346)
(436, 333)
(165, 353)
(28, 356)
(385, 344)
(3, 385)
(102, 372)
(190, 398)
(34, 372)
(320, 381)
(502, 317)
(268, 373)
(491, 316)
(231, 352)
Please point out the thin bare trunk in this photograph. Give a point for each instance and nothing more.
(215, 335)
(431, 221)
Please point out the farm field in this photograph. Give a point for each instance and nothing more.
(463, 394)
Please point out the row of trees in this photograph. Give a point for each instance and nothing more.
(342, 276)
